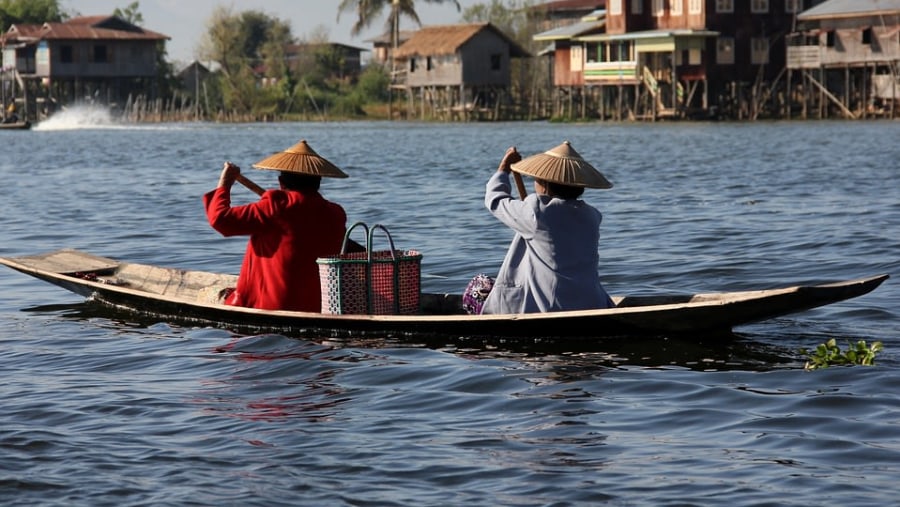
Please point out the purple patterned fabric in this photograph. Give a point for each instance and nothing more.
(476, 292)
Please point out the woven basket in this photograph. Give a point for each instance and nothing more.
(383, 282)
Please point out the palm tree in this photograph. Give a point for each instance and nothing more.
(369, 10)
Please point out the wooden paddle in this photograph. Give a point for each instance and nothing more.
(352, 246)
(247, 182)
(520, 185)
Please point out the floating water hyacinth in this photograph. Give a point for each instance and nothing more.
(829, 354)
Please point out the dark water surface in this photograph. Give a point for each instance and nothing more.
(99, 409)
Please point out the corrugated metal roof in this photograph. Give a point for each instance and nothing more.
(24, 31)
(569, 31)
(307, 46)
(447, 39)
(651, 34)
(850, 8)
(83, 28)
(570, 5)
(98, 28)
(387, 37)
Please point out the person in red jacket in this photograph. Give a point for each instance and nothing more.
(289, 229)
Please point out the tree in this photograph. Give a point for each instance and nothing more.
(511, 17)
(367, 11)
(245, 45)
(373, 85)
(29, 12)
(131, 14)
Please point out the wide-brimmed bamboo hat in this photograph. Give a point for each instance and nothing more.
(300, 159)
(562, 165)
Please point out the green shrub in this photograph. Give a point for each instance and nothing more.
(829, 354)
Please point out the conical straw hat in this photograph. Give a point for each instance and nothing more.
(301, 159)
(562, 165)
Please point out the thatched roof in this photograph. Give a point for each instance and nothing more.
(448, 39)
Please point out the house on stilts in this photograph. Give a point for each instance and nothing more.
(457, 72)
(844, 60)
(91, 58)
(657, 59)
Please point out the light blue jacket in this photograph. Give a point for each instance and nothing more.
(552, 262)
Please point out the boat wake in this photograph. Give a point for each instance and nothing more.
(82, 116)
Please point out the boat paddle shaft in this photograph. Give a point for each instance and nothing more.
(247, 182)
(352, 246)
(520, 185)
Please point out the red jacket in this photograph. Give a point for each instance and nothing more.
(288, 231)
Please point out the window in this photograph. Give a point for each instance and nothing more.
(620, 51)
(66, 54)
(759, 51)
(830, 39)
(637, 6)
(695, 6)
(759, 6)
(675, 7)
(867, 35)
(793, 6)
(695, 57)
(412, 65)
(615, 7)
(591, 52)
(496, 61)
(659, 8)
(725, 50)
(429, 65)
(100, 55)
(724, 5)
(576, 57)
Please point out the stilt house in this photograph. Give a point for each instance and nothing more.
(844, 60)
(680, 58)
(98, 57)
(457, 70)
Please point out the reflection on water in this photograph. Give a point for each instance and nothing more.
(706, 352)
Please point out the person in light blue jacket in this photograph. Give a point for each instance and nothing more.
(552, 262)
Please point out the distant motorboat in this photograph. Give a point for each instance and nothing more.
(16, 125)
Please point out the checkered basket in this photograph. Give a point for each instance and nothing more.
(382, 282)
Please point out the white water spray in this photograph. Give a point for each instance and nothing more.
(80, 116)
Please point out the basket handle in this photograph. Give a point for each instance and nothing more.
(348, 240)
(371, 232)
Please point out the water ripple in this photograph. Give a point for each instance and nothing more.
(101, 408)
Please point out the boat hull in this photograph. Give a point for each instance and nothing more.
(177, 296)
(20, 125)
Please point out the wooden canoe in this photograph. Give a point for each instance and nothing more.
(18, 125)
(181, 296)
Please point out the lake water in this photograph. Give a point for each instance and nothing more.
(99, 409)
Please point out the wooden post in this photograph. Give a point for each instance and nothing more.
(865, 79)
(583, 102)
(675, 104)
(705, 94)
(789, 98)
(893, 93)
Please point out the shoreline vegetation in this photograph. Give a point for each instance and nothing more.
(273, 76)
(177, 109)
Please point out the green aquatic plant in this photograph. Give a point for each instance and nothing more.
(829, 354)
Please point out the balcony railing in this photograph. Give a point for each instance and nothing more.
(625, 72)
